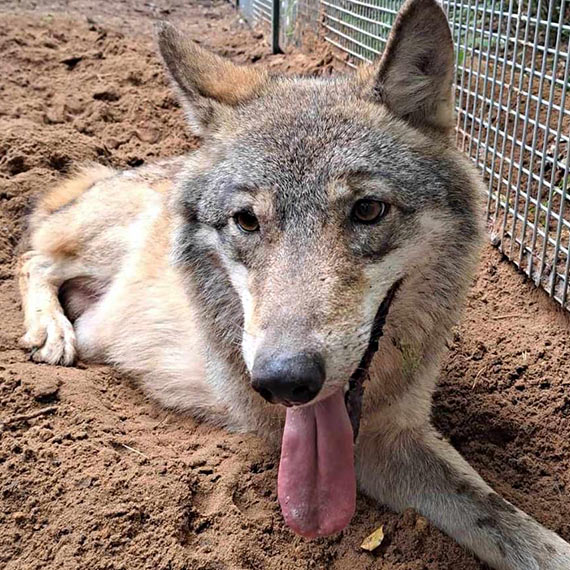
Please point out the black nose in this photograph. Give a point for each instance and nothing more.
(288, 378)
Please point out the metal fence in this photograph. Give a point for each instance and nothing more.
(513, 108)
(258, 12)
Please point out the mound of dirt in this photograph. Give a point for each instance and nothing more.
(94, 476)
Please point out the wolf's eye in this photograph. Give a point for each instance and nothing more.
(246, 221)
(369, 211)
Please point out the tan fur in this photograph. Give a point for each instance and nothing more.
(232, 84)
(69, 190)
(164, 186)
(205, 79)
(118, 235)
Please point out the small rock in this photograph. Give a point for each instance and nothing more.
(55, 114)
(54, 117)
(150, 136)
(421, 525)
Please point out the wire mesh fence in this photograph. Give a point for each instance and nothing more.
(257, 12)
(513, 120)
(360, 29)
(513, 109)
(300, 22)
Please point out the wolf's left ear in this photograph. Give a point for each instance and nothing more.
(207, 84)
(415, 75)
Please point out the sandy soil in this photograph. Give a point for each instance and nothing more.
(103, 478)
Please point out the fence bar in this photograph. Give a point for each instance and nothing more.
(275, 19)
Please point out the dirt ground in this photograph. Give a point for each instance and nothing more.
(104, 479)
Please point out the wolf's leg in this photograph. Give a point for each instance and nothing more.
(49, 334)
(416, 468)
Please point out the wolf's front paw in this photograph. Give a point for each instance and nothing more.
(51, 339)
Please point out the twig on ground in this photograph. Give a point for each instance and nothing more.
(30, 416)
(135, 450)
(500, 317)
(481, 370)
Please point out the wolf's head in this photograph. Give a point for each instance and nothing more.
(310, 204)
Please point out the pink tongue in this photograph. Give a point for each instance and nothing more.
(317, 484)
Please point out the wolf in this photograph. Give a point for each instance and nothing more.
(297, 275)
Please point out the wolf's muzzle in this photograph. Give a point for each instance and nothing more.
(288, 378)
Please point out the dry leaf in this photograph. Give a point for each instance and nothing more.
(373, 541)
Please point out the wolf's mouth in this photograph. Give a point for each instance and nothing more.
(353, 397)
(317, 482)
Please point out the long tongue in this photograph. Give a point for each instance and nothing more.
(317, 484)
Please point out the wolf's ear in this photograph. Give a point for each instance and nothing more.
(415, 74)
(206, 83)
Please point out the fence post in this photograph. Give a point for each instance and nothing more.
(275, 17)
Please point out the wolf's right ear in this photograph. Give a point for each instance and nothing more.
(415, 74)
(207, 84)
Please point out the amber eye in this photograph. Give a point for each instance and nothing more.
(246, 221)
(369, 211)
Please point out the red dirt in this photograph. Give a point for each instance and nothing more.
(107, 479)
